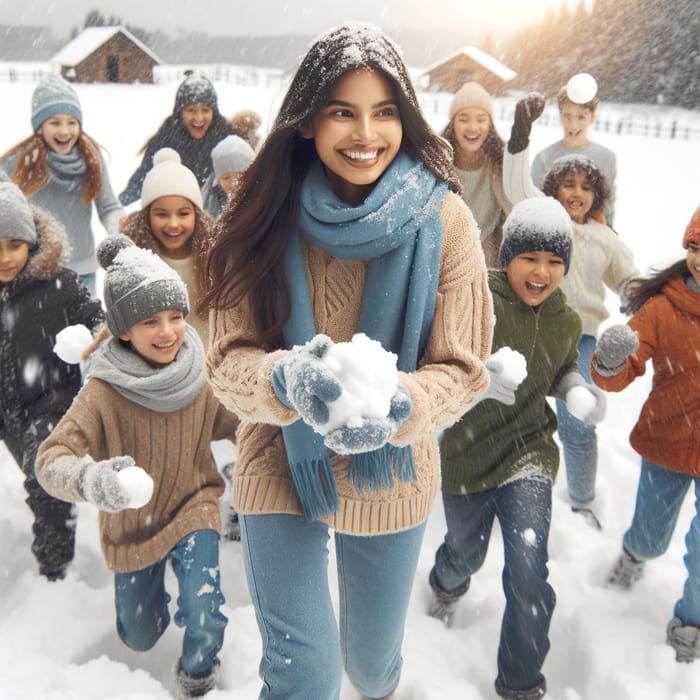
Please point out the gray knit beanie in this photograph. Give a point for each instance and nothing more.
(231, 155)
(137, 284)
(52, 96)
(537, 223)
(16, 220)
(195, 89)
(168, 177)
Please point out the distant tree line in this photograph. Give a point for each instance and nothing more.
(639, 50)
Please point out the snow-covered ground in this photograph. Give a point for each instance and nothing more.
(58, 642)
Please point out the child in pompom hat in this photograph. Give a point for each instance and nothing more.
(230, 158)
(173, 224)
(665, 329)
(478, 157)
(601, 260)
(195, 126)
(38, 299)
(135, 443)
(500, 460)
(61, 170)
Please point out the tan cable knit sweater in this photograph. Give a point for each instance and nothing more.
(442, 389)
(174, 448)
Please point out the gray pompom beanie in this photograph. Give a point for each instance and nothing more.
(537, 223)
(52, 96)
(137, 284)
(231, 155)
(16, 220)
(168, 177)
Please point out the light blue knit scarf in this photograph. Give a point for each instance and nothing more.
(398, 228)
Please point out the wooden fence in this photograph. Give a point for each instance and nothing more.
(608, 119)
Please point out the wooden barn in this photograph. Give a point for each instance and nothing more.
(106, 55)
(468, 63)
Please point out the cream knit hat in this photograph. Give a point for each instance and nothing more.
(168, 177)
(471, 94)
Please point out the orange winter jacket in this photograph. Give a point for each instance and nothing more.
(668, 326)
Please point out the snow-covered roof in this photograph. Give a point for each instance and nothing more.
(481, 57)
(89, 40)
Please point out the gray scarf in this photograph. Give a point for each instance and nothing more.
(164, 389)
(68, 169)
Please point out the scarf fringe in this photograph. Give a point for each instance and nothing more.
(377, 469)
(314, 481)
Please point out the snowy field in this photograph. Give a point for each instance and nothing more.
(58, 642)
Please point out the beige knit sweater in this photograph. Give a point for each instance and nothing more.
(174, 448)
(450, 376)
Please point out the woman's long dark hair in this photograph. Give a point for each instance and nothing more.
(641, 289)
(252, 232)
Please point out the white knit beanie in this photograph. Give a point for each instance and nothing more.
(231, 155)
(169, 177)
(471, 94)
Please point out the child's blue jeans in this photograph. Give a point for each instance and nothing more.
(579, 439)
(142, 602)
(286, 562)
(660, 495)
(523, 508)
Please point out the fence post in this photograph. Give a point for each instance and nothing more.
(673, 129)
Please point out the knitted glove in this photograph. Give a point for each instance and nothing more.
(502, 383)
(302, 382)
(527, 111)
(583, 400)
(373, 433)
(614, 346)
(100, 485)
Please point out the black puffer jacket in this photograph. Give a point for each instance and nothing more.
(42, 300)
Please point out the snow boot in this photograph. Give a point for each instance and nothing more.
(526, 694)
(194, 686)
(444, 604)
(626, 572)
(685, 639)
(588, 514)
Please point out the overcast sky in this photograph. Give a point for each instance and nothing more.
(265, 17)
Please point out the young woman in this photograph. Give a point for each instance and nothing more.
(343, 223)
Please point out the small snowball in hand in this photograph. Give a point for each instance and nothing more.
(580, 402)
(510, 365)
(137, 484)
(71, 342)
(369, 377)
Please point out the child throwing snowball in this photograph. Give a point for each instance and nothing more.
(61, 170)
(665, 329)
(600, 260)
(142, 425)
(500, 459)
(344, 224)
(39, 299)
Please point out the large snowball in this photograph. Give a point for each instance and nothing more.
(137, 484)
(71, 342)
(510, 364)
(582, 88)
(580, 402)
(369, 378)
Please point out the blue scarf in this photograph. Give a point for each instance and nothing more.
(398, 228)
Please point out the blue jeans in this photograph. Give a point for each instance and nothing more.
(579, 439)
(142, 602)
(286, 563)
(90, 281)
(523, 508)
(660, 495)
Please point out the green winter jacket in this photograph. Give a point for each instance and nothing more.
(492, 443)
